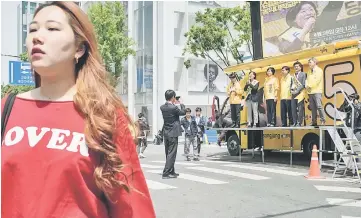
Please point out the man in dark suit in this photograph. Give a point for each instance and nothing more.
(298, 94)
(171, 131)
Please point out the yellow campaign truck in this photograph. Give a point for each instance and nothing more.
(340, 63)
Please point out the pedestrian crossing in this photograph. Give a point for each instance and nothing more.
(350, 192)
(210, 172)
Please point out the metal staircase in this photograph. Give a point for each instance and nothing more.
(349, 148)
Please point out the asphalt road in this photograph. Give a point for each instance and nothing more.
(221, 186)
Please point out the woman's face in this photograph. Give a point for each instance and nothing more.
(269, 73)
(51, 40)
(306, 12)
(251, 76)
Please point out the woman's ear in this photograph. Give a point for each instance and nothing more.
(80, 51)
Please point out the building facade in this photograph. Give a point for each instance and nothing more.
(158, 28)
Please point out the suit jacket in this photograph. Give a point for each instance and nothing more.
(171, 113)
(302, 79)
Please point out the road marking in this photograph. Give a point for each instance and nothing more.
(337, 189)
(177, 163)
(330, 179)
(230, 173)
(158, 185)
(269, 170)
(151, 166)
(218, 161)
(344, 202)
(350, 217)
(194, 178)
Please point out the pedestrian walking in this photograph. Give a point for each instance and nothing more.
(143, 134)
(189, 126)
(68, 148)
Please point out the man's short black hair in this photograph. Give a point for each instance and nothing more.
(140, 115)
(169, 94)
(199, 109)
(188, 110)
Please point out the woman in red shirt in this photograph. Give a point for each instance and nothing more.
(68, 148)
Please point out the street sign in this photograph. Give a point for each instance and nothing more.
(20, 73)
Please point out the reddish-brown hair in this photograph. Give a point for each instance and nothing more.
(96, 99)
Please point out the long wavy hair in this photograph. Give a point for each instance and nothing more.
(96, 99)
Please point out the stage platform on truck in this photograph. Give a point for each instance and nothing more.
(321, 130)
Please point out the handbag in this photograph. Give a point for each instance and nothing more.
(6, 112)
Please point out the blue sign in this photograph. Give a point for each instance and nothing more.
(20, 73)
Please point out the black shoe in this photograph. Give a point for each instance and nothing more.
(175, 174)
(196, 159)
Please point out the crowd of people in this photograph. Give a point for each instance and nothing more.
(290, 91)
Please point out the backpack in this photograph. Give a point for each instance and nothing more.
(6, 112)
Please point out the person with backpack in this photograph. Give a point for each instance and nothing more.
(142, 138)
(68, 144)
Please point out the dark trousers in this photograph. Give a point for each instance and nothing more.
(298, 111)
(286, 112)
(171, 147)
(271, 111)
(235, 111)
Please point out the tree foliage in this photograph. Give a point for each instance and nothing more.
(109, 21)
(221, 31)
(5, 89)
(24, 57)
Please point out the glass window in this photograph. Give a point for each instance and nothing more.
(24, 7)
(32, 7)
(24, 41)
(148, 71)
(140, 71)
(138, 26)
(25, 28)
(179, 28)
(148, 28)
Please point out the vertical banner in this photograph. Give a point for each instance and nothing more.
(289, 26)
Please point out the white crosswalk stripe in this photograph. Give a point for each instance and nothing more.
(151, 166)
(230, 173)
(178, 163)
(264, 169)
(344, 202)
(158, 185)
(337, 189)
(195, 178)
(351, 217)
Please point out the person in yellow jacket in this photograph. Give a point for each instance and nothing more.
(235, 92)
(271, 87)
(314, 87)
(298, 94)
(285, 96)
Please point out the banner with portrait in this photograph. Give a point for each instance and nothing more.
(289, 26)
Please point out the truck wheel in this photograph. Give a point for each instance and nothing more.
(308, 142)
(233, 145)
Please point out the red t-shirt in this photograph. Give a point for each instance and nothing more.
(47, 169)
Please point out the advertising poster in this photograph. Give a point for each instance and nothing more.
(206, 78)
(289, 26)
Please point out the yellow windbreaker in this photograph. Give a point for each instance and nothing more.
(271, 87)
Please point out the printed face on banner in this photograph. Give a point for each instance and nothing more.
(289, 26)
